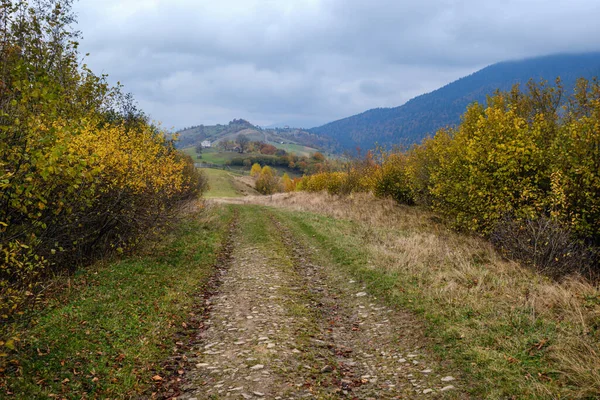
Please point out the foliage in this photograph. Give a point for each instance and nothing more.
(268, 149)
(330, 181)
(288, 184)
(498, 160)
(523, 157)
(255, 170)
(82, 172)
(267, 182)
(393, 180)
(576, 163)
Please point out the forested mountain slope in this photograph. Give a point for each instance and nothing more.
(425, 114)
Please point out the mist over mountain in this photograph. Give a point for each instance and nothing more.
(425, 114)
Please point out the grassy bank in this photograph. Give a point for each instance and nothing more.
(221, 184)
(514, 332)
(107, 333)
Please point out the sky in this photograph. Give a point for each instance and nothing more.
(304, 63)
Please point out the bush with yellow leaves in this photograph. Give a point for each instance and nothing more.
(255, 170)
(520, 159)
(267, 182)
(82, 171)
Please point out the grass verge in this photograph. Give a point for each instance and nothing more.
(515, 334)
(107, 334)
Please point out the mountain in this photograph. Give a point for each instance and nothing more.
(427, 113)
(216, 133)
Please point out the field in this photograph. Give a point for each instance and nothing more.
(297, 149)
(212, 155)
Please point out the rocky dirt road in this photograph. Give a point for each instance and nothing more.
(284, 326)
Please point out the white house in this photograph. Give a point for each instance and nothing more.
(205, 144)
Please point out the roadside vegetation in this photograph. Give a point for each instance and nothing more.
(523, 171)
(83, 173)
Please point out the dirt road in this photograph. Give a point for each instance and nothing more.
(283, 326)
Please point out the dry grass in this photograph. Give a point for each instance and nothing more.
(515, 309)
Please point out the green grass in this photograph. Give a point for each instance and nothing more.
(220, 183)
(107, 334)
(297, 149)
(211, 156)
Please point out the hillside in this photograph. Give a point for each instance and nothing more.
(289, 139)
(425, 114)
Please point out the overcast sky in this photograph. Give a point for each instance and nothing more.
(308, 62)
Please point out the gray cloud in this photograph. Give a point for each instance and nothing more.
(306, 62)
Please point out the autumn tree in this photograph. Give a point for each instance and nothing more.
(255, 170)
(243, 141)
(82, 171)
(287, 184)
(318, 156)
(267, 182)
(268, 149)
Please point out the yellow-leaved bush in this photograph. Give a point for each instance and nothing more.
(267, 181)
(82, 171)
(527, 157)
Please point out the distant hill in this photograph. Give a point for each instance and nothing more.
(425, 114)
(280, 137)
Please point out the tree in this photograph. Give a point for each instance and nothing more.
(287, 183)
(318, 156)
(255, 171)
(199, 149)
(243, 141)
(268, 149)
(82, 171)
(267, 182)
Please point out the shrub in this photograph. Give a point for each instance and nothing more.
(497, 161)
(268, 149)
(576, 155)
(329, 181)
(392, 179)
(255, 170)
(267, 182)
(287, 184)
(82, 171)
(545, 245)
